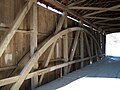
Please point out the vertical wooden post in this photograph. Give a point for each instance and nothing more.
(82, 47)
(74, 47)
(92, 48)
(65, 45)
(96, 50)
(104, 44)
(88, 47)
(33, 42)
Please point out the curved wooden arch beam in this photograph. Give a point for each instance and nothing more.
(36, 56)
(38, 53)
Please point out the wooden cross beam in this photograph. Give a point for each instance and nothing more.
(8, 36)
(73, 49)
(88, 47)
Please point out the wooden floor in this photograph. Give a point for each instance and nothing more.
(102, 75)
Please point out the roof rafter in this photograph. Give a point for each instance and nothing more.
(117, 18)
(92, 8)
(112, 29)
(76, 2)
(94, 17)
(108, 24)
(101, 11)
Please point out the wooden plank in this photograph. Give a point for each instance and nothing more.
(11, 80)
(58, 28)
(33, 42)
(88, 47)
(108, 9)
(82, 47)
(74, 47)
(8, 36)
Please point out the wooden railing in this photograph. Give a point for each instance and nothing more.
(14, 79)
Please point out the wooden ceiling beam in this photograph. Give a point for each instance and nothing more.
(107, 24)
(95, 17)
(92, 8)
(101, 11)
(76, 2)
(104, 2)
(64, 8)
(112, 29)
(117, 18)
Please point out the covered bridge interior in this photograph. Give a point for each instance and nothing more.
(43, 40)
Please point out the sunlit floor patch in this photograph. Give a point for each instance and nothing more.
(102, 75)
(92, 83)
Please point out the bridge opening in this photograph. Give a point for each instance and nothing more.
(113, 44)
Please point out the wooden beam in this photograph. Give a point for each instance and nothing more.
(13, 79)
(8, 36)
(91, 8)
(112, 29)
(108, 24)
(101, 11)
(88, 47)
(33, 42)
(4, 29)
(91, 45)
(117, 18)
(73, 49)
(94, 40)
(82, 47)
(65, 46)
(60, 23)
(7, 68)
(95, 17)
